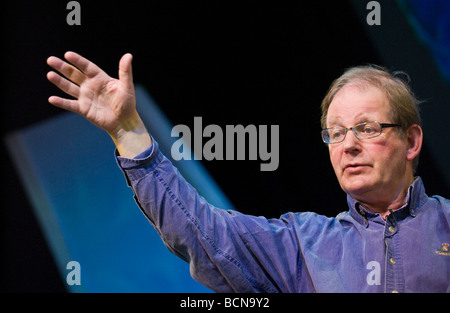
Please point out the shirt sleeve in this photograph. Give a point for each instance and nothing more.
(227, 251)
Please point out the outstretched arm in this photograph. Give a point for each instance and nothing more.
(108, 103)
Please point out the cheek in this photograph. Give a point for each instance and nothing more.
(388, 161)
(335, 158)
(393, 159)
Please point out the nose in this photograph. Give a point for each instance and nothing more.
(351, 143)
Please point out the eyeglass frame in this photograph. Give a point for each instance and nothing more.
(346, 129)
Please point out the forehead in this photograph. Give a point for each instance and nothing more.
(356, 104)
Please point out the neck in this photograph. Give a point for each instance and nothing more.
(388, 201)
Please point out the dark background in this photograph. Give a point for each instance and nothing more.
(231, 62)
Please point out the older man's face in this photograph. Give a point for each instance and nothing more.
(371, 170)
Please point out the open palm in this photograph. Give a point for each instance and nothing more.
(105, 101)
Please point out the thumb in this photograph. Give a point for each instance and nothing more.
(125, 70)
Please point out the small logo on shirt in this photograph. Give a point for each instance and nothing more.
(444, 249)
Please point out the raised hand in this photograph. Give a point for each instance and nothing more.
(106, 102)
(103, 100)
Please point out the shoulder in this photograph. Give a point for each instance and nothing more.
(444, 202)
(440, 203)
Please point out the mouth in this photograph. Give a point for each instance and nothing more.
(355, 167)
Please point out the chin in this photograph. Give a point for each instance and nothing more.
(356, 185)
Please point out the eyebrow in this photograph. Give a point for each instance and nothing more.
(333, 121)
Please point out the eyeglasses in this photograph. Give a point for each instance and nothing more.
(362, 131)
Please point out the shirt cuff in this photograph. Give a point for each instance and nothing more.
(144, 159)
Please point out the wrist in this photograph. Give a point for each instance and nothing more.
(131, 137)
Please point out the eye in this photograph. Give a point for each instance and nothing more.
(369, 129)
(337, 133)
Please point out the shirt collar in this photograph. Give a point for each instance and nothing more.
(415, 196)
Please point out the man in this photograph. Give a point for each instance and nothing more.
(394, 238)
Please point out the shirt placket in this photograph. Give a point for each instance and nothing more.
(394, 263)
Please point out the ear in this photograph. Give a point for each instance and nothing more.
(414, 136)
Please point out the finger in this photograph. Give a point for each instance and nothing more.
(66, 104)
(125, 70)
(69, 71)
(65, 85)
(87, 67)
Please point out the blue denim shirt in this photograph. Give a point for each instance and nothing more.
(357, 251)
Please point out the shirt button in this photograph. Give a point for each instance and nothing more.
(391, 229)
(392, 261)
